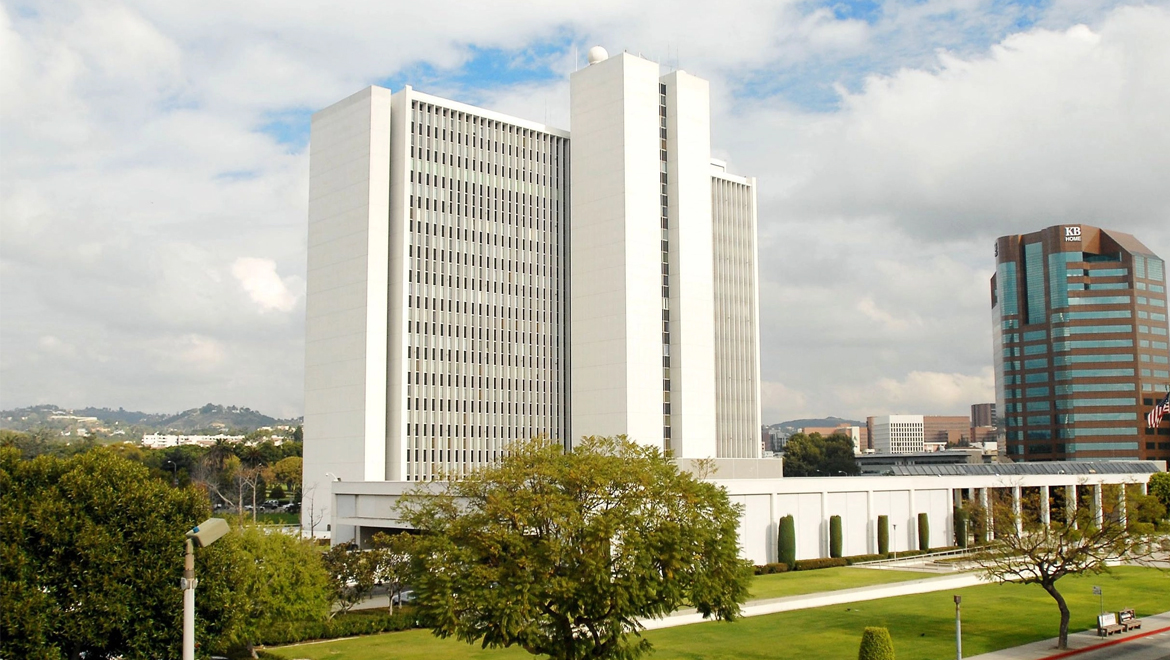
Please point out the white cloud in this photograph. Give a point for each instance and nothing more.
(258, 277)
(922, 392)
(134, 173)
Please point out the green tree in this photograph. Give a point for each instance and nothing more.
(251, 579)
(390, 556)
(876, 644)
(287, 472)
(91, 557)
(351, 574)
(561, 553)
(1028, 551)
(816, 456)
(1159, 487)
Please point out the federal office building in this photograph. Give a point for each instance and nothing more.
(1080, 341)
(476, 278)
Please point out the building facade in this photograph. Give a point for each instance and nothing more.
(1080, 341)
(945, 429)
(983, 414)
(473, 280)
(898, 434)
(436, 315)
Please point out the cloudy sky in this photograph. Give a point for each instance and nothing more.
(153, 172)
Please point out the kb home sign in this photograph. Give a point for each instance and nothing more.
(1072, 234)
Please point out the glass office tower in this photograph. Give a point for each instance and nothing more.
(1080, 338)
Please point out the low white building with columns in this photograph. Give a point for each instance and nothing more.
(368, 507)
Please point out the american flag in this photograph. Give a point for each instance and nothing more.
(1154, 418)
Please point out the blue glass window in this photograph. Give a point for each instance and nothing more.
(1066, 404)
(1034, 282)
(1094, 316)
(1035, 335)
(1154, 269)
(1034, 349)
(1100, 300)
(1039, 420)
(1072, 418)
(1062, 346)
(1093, 373)
(1139, 266)
(1065, 360)
(1095, 387)
(1041, 363)
(1037, 391)
(1007, 284)
(1041, 377)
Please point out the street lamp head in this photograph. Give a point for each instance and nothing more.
(209, 531)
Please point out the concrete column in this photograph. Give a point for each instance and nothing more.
(912, 524)
(773, 542)
(1070, 505)
(988, 517)
(1098, 510)
(1122, 513)
(870, 525)
(824, 524)
(1017, 510)
(1045, 506)
(1145, 488)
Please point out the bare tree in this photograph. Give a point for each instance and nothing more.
(315, 515)
(1029, 551)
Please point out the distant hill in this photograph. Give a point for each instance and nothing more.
(794, 424)
(211, 417)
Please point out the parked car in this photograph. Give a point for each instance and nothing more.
(403, 597)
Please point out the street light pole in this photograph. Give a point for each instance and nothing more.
(207, 532)
(189, 584)
(958, 630)
(895, 541)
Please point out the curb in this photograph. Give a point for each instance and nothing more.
(1102, 645)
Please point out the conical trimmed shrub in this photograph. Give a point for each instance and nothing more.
(960, 527)
(883, 532)
(835, 536)
(876, 645)
(923, 532)
(786, 547)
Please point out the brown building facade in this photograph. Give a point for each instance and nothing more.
(1081, 349)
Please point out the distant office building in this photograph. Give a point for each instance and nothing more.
(1080, 347)
(854, 433)
(983, 414)
(460, 298)
(898, 434)
(945, 430)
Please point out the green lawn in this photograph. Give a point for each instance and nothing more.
(994, 617)
(796, 583)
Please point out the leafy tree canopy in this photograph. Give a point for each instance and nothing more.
(561, 553)
(817, 456)
(91, 557)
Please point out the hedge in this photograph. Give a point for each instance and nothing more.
(812, 564)
(857, 559)
(923, 532)
(786, 541)
(876, 645)
(364, 622)
(834, 536)
(769, 569)
(883, 531)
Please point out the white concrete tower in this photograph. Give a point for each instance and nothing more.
(642, 269)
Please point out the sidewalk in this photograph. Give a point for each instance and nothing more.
(1152, 642)
(841, 596)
